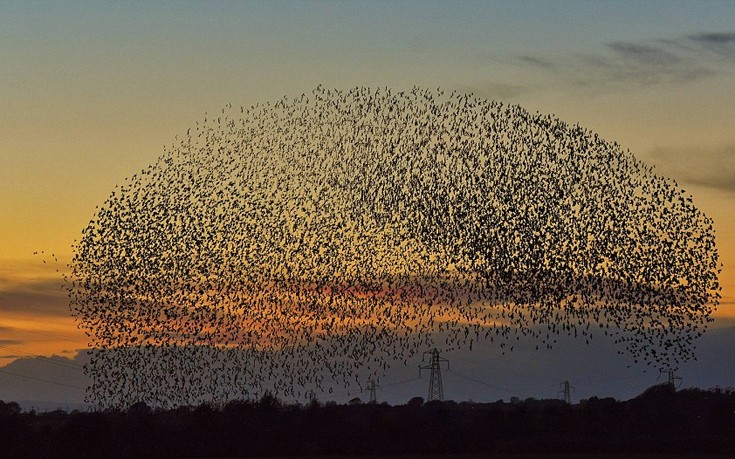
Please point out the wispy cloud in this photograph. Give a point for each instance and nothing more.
(644, 54)
(43, 297)
(537, 62)
(494, 90)
(722, 44)
(714, 168)
(643, 63)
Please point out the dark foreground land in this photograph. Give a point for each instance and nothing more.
(659, 423)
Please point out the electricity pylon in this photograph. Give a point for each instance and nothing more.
(436, 390)
(371, 389)
(672, 378)
(567, 392)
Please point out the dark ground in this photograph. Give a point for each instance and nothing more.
(524, 456)
(660, 423)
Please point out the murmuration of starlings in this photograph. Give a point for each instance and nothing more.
(314, 242)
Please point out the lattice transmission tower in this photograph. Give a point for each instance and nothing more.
(672, 378)
(566, 392)
(436, 390)
(373, 393)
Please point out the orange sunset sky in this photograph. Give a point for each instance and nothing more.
(91, 92)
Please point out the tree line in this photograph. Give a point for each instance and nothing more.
(661, 420)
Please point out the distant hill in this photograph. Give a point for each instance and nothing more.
(45, 382)
(483, 375)
(45, 406)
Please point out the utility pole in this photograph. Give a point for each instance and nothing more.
(436, 390)
(371, 389)
(567, 392)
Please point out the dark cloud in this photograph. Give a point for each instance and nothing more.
(10, 342)
(643, 63)
(35, 297)
(719, 43)
(645, 54)
(716, 39)
(537, 62)
(714, 168)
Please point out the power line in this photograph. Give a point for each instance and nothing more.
(454, 372)
(482, 365)
(400, 382)
(47, 334)
(44, 358)
(41, 380)
(72, 365)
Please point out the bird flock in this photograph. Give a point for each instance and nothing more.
(317, 241)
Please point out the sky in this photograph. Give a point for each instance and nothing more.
(92, 91)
